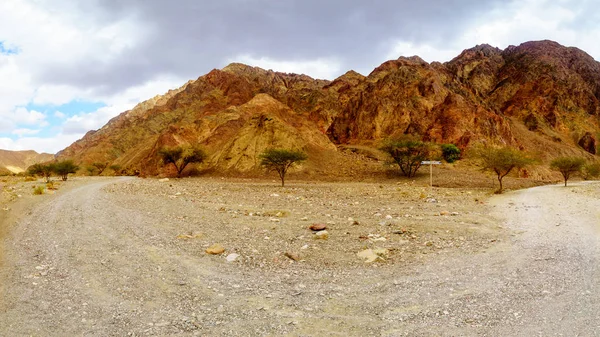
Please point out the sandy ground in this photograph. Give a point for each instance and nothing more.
(126, 256)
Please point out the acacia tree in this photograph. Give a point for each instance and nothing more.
(567, 166)
(63, 168)
(408, 153)
(501, 160)
(181, 156)
(44, 170)
(280, 160)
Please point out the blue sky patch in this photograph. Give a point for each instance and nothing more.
(69, 109)
(54, 121)
(7, 50)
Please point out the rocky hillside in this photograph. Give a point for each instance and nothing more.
(540, 96)
(19, 161)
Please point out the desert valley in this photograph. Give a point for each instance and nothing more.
(349, 246)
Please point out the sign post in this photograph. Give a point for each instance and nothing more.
(431, 163)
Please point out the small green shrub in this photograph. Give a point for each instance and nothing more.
(38, 190)
(450, 152)
(591, 171)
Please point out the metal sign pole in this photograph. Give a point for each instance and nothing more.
(431, 163)
(431, 178)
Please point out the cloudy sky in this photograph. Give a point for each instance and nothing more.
(68, 66)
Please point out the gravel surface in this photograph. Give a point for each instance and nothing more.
(127, 257)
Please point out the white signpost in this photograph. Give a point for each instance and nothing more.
(431, 163)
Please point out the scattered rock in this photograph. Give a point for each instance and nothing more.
(444, 213)
(232, 257)
(376, 237)
(454, 213)
(189, 235)
(163, 180)
(432, 200)
(372, 255)
(292, 256)
(322, 235)
(389, 217)
(215, 249)
(318, 227)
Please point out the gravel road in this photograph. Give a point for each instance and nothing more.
(125, 257)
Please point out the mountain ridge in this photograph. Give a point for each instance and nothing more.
(12, 162)
(538, 96)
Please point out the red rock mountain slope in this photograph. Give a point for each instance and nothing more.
(539, 96)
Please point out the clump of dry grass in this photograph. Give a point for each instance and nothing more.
(38, 190)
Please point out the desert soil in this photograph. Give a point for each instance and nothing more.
(127, 257)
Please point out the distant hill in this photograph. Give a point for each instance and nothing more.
(540, 96)
(19, 161)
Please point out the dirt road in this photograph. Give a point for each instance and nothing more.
(107, 258)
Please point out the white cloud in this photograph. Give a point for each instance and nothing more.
(59, 115)
(39, 144)
(28, 117)
(319, 68)
(23, 132)
(513, 24)
(56, 94)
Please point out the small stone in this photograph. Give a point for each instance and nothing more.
(292, 256)
(274, 195)
(304, 247)
(372, 255)
(432, 200)
(322, 235)
(318, 227)
(232, 257)
(389, 217)
(163, 180)
(215, 249)
(454, 213)
(304, 219)
(444, 213)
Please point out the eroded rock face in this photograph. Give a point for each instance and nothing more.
(527, 96)
(588, 143)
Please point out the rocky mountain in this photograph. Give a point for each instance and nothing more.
(19, 161)
(539, 96)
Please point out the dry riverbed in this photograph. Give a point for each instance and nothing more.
(130, 256)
